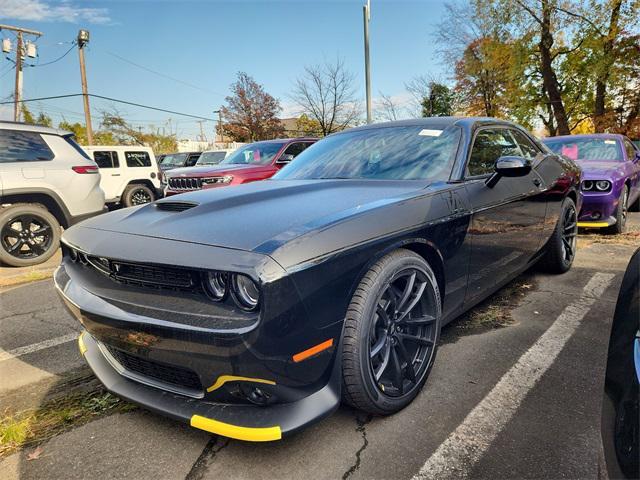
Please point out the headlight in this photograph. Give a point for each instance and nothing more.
(603, 185)
(245, 291)
(217, 180)
(216, 284)
(587, 185)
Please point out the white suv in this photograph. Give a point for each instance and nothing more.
(130, 174)
(46, 181)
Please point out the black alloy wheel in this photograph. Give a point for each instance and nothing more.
(391, 334)
(621, 213)
(402, 333)
(569, 234)
(562, 245)
(29, 235)
(136, 194)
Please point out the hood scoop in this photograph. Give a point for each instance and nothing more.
(175, 206)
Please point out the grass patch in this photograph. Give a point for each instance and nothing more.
(31, 427)
(630, 237)
(493, 313)
(31, 276)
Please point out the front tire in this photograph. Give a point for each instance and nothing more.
(621, 213)
(390, 334)
(137, 194)
(29, 235)
(561, 248)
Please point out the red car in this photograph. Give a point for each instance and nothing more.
(256, 161)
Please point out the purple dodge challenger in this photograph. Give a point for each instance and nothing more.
(611, 177)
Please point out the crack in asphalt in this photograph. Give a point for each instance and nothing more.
(361, 427)
(206, 457)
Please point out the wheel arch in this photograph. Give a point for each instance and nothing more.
(47, 199)
(141, 181)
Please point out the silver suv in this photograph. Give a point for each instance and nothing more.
(46, 181)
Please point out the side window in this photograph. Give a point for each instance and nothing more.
(106, 159)
(631, 151)
(16, 146)
(529, 150)
(137, 159)
(296, 149)
(488, 146)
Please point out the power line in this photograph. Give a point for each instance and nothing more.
(54, 97)
(162, 74)
(56, 60)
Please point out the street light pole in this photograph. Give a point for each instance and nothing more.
(366, 11)
(83, 39)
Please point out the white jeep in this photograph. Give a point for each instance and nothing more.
(129, 174)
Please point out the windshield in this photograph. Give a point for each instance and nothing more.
(211, 158)
(175, 159)
(586, 148)
(392, 153)
(260, 153)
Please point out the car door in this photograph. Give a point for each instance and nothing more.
(111, 178)
(507, 220)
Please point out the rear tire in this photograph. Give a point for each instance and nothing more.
(137, 194)
(561, 247)
(391, 333)
(621, 214)
(29, 235)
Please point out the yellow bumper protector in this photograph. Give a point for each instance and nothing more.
(81, 345)
(593, 224)
(222, 379)
(263, 434)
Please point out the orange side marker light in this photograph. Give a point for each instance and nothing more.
(299, 357)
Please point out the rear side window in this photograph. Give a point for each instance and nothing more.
(106, 159)
(529, 150)
(137, 159)
(631, 151)
(16, 146)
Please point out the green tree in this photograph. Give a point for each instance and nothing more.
(439, 102)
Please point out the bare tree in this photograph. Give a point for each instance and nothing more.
(387, 109)
(326, 93)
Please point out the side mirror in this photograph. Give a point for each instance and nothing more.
(285, 158)
(509, 167)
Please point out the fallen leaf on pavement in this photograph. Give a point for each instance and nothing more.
(35, 454)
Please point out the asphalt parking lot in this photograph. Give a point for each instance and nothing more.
(515, 393)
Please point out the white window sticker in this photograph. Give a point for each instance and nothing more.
(610, 142)
(430, 133)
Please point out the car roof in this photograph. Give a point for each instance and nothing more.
(585, 135)
(7, 125)
(439, 123)
(123, 147)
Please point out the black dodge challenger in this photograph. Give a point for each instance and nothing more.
(252, 311)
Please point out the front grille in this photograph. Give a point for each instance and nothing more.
(143, 274)
(185, 183)
(169, 374)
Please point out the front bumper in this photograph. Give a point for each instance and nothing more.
(242, 422)
(229, 355)
(598, 209)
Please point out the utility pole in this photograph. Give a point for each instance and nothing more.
(17, 95)
(366, 11)
(220, 132)
(83, 39)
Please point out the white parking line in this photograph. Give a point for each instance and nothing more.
(455, 457)
(52, 342)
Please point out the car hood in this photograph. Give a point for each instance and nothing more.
(208, 170)
(601, 169)
(258, 216)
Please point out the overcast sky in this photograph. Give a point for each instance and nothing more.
(204, 44)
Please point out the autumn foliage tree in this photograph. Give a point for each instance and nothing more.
(251, 113)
